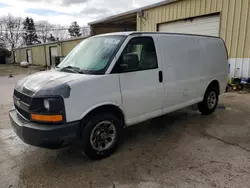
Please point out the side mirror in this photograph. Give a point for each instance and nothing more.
(124, 66)
(130, 62)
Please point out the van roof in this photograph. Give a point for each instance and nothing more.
(153, 33)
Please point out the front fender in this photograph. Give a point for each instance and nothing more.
(99, 105)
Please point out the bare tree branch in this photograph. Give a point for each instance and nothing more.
(85, 31)
(43, 30)
(11, 31)
(2, 40)
(60, 33)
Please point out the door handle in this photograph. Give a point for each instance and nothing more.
(160, 77)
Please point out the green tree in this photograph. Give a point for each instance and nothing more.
(30, 37)
(74, 30)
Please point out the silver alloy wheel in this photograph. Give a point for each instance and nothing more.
(103, 136)
(211, 100)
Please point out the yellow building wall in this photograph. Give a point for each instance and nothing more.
(235, 20)
(18, 55)
(38, 55)
(68, 46)
(47, 55)
(23, 55)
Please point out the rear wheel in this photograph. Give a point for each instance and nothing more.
(101, 136)
(210, 102)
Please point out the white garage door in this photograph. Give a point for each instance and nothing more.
(208, 25)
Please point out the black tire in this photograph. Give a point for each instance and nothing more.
(240, 87)
(87, 132)
(205, 107)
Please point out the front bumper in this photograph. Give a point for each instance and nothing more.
(44, 135)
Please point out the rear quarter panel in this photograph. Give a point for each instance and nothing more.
(216, 61)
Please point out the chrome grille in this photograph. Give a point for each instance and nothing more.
(22, 103)
(26, 115)
(21, 118)
(24, 98)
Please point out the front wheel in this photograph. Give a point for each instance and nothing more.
(101, 136)
(210, 102)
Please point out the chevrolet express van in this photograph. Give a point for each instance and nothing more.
(116, 80)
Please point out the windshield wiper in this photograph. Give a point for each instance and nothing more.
(72, 69)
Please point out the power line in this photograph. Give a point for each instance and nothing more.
(55, 29)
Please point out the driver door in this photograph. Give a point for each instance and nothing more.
(140, 77)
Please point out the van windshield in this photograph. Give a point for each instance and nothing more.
(93, 55)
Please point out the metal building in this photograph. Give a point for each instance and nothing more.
(44, 54)
(228, 19)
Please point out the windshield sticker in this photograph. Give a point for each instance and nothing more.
(111, 41)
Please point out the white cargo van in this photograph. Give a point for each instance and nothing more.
(116, 80)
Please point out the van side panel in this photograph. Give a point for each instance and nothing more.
(190, 63)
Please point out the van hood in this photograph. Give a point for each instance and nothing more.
(48, 83)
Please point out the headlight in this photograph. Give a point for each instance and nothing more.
(46, 104)
(48, 110)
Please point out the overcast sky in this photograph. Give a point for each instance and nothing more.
(66, 11)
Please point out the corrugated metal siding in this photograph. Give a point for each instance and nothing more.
(68, 46)
(47, 53)
(23, 54)
(38, 55)
(102, 30)
(235, 20)
(18, 56)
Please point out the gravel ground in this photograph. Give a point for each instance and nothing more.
(182, 149)
(15, 69)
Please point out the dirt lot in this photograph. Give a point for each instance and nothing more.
(182, 149)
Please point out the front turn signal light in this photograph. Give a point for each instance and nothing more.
(47, 118)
